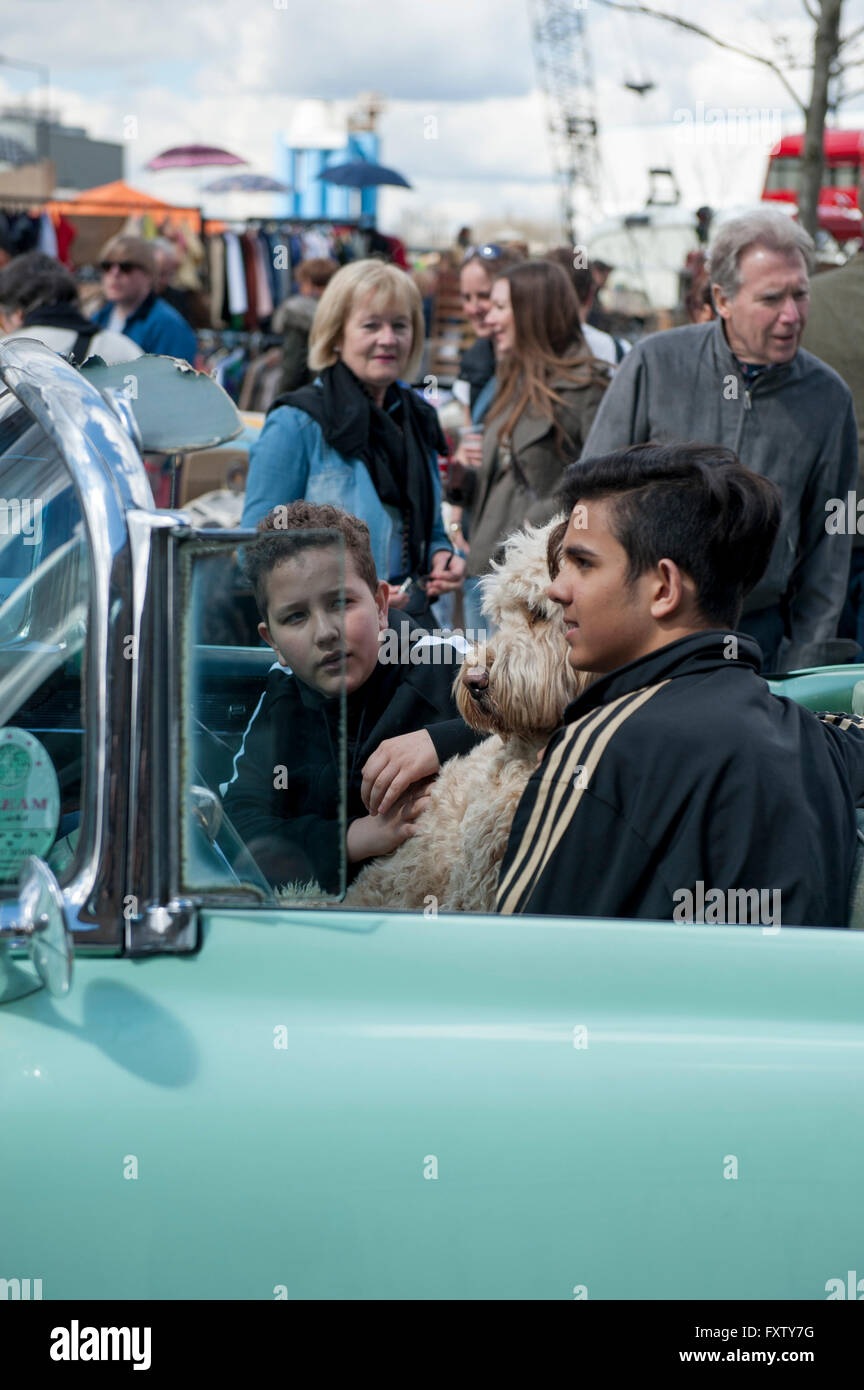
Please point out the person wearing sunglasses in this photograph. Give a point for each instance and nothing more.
(480, 267)
(132, 307)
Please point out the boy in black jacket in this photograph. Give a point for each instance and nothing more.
(286, 796)
(680, 788)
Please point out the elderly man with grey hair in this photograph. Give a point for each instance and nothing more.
(744, 381)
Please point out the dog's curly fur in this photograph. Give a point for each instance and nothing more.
(455, 856)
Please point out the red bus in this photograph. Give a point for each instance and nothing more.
(841, 197)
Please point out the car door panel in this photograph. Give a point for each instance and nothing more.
(305, 1160)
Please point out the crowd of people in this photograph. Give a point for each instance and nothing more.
(542, 387)
(699, 469)
(707, 478)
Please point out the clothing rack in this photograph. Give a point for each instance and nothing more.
(254, 339)
(275, 224)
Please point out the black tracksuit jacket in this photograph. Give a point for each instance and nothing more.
(285, 796)
(683, 769)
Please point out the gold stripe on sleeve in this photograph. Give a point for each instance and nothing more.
(579, 735)
(528, 867)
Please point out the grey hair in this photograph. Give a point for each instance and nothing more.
(163, 243)
(764, 227)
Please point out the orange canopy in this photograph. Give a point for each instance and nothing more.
(118, 199)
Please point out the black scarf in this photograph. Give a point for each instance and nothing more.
(66, 316)
(394, 442)
(60, 316)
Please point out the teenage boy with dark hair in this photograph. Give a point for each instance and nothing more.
(678, 776)
(284, 797)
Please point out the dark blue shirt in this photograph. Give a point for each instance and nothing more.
(155, 327)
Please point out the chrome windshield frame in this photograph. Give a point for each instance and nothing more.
(110, 481)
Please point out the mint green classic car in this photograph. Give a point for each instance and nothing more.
(237, 1097)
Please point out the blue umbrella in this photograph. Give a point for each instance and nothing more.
(361, 173)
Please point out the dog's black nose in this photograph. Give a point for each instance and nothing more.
(476, 678)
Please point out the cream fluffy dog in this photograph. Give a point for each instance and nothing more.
(518, 695)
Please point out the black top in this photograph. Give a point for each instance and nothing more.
(290, 820)
(477, 366)
(683, 769)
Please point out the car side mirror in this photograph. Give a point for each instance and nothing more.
(37, 920)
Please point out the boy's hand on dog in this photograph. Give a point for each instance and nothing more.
(396, 765)
(373, 835)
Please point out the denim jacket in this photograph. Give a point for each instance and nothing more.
(290, 460)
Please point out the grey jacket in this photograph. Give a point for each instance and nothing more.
(795, 425)
(512, 490)
(835, 333)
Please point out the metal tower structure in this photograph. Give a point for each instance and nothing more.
(559, 34)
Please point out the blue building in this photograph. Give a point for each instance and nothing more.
(313, 197)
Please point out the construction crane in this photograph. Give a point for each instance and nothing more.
(559, 35)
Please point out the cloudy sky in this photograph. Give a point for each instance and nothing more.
(239, 72)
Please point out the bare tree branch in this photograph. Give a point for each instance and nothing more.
(712, 38)
(812, 13)
(848, 38)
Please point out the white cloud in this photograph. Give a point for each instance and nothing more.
(236, 72)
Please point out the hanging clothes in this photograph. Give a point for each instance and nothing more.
(230, 371)
(252, 271)
(47, 243)
(65, 233)
(261, 381)
(216, 275)
(19, 231)
(192, 255)
(270, 244)
(237, 300)
(264, 302)
(247, 247)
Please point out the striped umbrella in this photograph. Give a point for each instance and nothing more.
(193, 157)
(246, 183)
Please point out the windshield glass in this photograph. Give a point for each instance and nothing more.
(264, 755)
(44, 592)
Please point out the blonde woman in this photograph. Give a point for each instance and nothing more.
(359, 438)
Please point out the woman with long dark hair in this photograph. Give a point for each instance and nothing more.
(548, 390)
